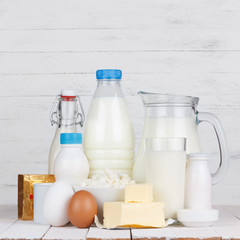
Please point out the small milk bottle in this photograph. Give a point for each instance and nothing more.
(198, 186)
(108, 137)
(67, 113)
(71, 164)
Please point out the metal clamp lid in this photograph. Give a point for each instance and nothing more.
(54, 116)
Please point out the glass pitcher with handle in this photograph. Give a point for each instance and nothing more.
(173, 116)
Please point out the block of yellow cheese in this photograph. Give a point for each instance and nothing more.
(139, 193)
(122, 214)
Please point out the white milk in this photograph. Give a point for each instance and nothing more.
(56, 146)
(71, 164)
(108, 137)
(198, 184)
(166, 171)
(161, 127)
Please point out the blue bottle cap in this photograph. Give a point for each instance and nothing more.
(109, 74)
(71, 138)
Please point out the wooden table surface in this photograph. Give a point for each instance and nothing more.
(228, 227)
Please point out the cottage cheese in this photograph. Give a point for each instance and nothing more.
(107, 178)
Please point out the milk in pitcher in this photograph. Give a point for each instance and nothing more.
(166, 127)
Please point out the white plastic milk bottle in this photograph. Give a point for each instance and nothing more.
(71, 164)
(108, 137)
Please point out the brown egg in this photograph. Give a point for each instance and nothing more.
(82, 208)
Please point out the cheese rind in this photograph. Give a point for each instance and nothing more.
(120, 214)
(139, 193)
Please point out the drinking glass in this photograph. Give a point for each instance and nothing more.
(165, 164)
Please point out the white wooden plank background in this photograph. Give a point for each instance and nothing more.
(119, 40)
(180, 47)
(90, 14)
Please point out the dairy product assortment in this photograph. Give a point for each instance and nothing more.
(139, 191)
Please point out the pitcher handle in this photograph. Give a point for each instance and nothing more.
(222, 142)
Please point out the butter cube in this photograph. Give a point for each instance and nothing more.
(139, 193)
(137, 215)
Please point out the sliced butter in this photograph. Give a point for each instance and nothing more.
(139, 193)
(121, 214)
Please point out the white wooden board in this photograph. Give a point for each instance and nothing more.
(5, 224)
(201, 233)
(235, 210)
(228, 232)
(85, 84)
(25, 230)
(226, 218)
(71, 14)
(67, 232)
(154, 233)
(188, 63)
(119, 40)
(227, 227)
(97, 233)
(8, 216)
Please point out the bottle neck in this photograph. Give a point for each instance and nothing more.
(198, 163)
(108, 88)
(67, 108)
(67, 113)
(109, 82)
(71, 146)
(67, 123)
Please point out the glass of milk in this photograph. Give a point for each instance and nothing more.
(165, 164)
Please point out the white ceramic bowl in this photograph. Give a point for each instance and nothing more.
(103, 195)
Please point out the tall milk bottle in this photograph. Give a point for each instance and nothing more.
(67, 113)
(108, 137)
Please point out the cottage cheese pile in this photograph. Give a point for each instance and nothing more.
(107, 178)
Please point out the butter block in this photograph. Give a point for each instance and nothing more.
(137, 215)
(139, 193)
(26, 194)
